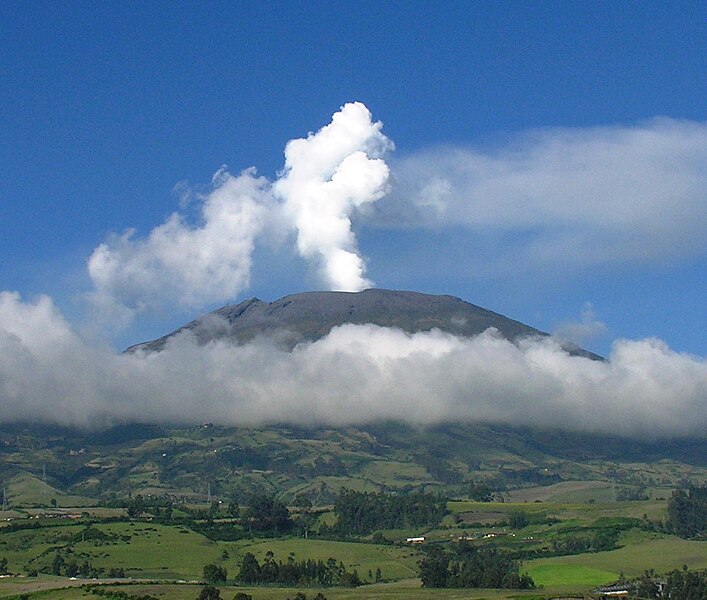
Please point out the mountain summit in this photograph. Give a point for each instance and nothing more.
(309, 316)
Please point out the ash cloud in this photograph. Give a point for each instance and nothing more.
(355, 375)
(559, 198)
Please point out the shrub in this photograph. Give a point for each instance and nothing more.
(209, 592)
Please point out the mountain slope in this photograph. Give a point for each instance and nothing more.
(289, 461)
(311, 315)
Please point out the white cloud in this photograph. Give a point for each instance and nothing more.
(189, 264)
(565, 196)
(356, 374)
(584, 330)
(327, 178)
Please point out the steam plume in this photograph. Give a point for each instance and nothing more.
(327, 177)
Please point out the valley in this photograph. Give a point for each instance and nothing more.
(150, 506)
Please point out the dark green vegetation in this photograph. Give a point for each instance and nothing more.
(361, 513)
(685, 585)
(687, 512)
(306, 572)
(469, 566)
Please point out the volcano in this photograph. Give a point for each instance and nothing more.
(309, 316)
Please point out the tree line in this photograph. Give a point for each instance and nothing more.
(292, 572)
(467, 566)
(676, 585)
(360, 513)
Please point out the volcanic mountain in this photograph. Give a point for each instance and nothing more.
(310, 316)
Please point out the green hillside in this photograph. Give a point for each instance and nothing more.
(75, 468)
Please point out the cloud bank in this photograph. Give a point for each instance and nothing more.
(355, 375)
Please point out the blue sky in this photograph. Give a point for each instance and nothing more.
(110, 112)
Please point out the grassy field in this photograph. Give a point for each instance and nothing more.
(157, 551)
(393, 561)
(150, 551)
(25, 490)
(143, 550)
(580, 513)
(566, 491)
(54, 589)
(640, 551)
(552, 575)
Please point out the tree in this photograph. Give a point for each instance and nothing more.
(209, 592)
(72, 569)
(361, 513)
(250, 569)
(472, 567)
(480, 492)
(646, 586)
(687, 511)
(302, 502)
(434, 569)
(85, 569)
(233, 510)
(215, 574)
(136, 506)
(268, 514)
(686, 585)
(57, 564)
(3, 566)
(518, 519)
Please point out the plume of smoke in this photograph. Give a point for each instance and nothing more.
(327, 177)
(356, 374)
(190, 264)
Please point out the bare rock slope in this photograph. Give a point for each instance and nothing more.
(309, 316)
